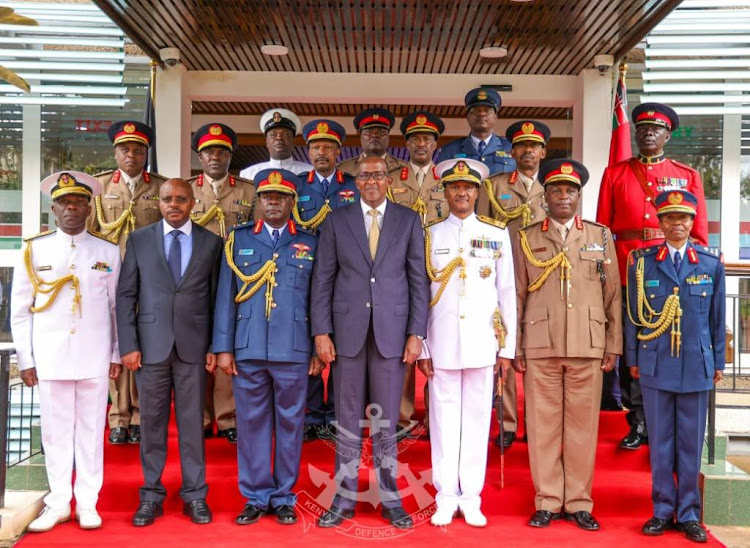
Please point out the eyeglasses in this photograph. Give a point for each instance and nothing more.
(374, 132)
(377, 175)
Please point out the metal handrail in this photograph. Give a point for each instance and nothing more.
(5, 355)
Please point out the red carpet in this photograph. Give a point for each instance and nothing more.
(621, 494)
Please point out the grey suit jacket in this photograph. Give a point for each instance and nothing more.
(153, 313)
(348, 288)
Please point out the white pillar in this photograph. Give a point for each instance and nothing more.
(592, 131)
(731, 202)
(173, 110)
(31, 201)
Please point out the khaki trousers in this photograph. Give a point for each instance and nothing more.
(125, 409)
(219, 402)
(563, 396)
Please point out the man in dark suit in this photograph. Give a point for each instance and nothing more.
(370, 291)
(169, 275)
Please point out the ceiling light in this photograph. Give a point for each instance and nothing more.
(493, 52)
(274, 49)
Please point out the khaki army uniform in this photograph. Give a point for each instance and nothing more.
(565, 329)
(510, 192)
(115, 200)
(351, 166)
(235, 201)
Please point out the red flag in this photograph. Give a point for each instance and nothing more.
(619, 146)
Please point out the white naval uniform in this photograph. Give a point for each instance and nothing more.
(71, 354)
(290, 164)
(462, 345)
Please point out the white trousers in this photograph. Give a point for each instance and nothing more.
(460, 414)
(73, 417)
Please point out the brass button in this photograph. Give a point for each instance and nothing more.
(676, 288)
(275, 255)
(462, 316)
(652, 295)
(650, 168)
(273, 305)
(650, 184)
(460, 249)
(565, 248)
(645, 346)
(72, 267)
(648, 198)
(301, 266)
(703, 294)
(72, 331)
(239, 316)
(647, 216)
(570, 305)
(533, 217)
(276, 284)
(244, 264)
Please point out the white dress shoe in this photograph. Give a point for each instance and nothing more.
(88, 518)
(48, 518)
(442, 517)
(475, 518)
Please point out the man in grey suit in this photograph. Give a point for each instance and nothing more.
(165, 301)
(370, 291)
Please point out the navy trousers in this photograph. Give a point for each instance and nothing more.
(270, 401)
(676, 426)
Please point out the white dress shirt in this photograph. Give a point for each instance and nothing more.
(186, 243)
(368, 218)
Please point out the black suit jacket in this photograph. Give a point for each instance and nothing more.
(154, 314)
(349, 289)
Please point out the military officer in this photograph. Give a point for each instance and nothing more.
(516, 198)
(626, 206)
(675, 347)
(482, 144)
(279, 125)
(320, 191)
(63, 322)
(129, 200)
(221, 202)
(262, 338)
(570, 318)
(417, 185)
(373, 125)
(470, 264)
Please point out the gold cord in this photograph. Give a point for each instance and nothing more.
(317, 219)
(558, 261)
(671, 314)
(442, 276)
(522, 211)
(265, 275)
(125, 223)
(49, 288)
(500, 331)
(213, 211)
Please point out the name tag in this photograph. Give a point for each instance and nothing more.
(304, 198)
(398, 190)
(442, 251)
(246, 251)
(43, 268)
(652, 283)
(111, 197)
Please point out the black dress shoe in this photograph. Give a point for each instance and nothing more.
(656, 526)
(285, 514)
(230, 434)
(542, 518)
(134, 434)
(147, 513)
(198, 511)
(118, 436)
(326, 432)
(334, 517)
(693, 531)
(208, 433)
(506, 440)
(402, 432)
(637, 436)
(398, 517)
(250, 514)
(310, 432)
(584, 520)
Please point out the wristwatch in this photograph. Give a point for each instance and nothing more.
(419, 337)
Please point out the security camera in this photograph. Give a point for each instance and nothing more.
(603, 63)
(170, 56)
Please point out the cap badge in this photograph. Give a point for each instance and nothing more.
(65, 180)
(322, 127)
(567, 169)
(482, 95)
(275, 178)
(277, 117)
(461, 168)
(421, 120)
(675, 198)
(215, 130)
(376, 116)
(650, 113)
(129, 128)
(527, 128)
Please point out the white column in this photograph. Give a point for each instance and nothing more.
(592, 131)
(731, 203)
(172, 122)
(31, 201)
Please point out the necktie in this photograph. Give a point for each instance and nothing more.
(175, 256)
(420, 178)
(374, 233)
(216, 187)
(324, 182)
(275, 237)
(482, 146)
(131, 186)
(677, 262)
(563, 230)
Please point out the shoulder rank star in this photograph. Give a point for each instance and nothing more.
(485, 271)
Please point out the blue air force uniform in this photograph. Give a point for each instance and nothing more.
(312, 193)
(270, 339)
(676, 372)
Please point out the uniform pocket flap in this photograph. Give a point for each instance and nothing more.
(300, 263)
(701, 290)
(597, 314)
(300, 314)
(535, 315)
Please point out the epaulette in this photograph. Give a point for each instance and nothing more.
(103, 173)
(100, 236)
(243, 180)
(715, 251)
(600, 225)
(248, 224)
(435, 221)
(527, 227)
(683, 166)
(303, 230)
(642, 252)
(490, 221)
(158, 177)
(47, 233)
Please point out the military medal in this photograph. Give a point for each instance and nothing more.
(485, 249)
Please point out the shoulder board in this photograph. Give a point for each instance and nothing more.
(705, 250)
(249, 224)
(243, 180)
(644, 251)
(435, 221)
(683, 166)
(103, 173)
(47, 233)
(100, 236)
(305, 231)
(594, 223)
(191, 180)
(532, 225)
(157, 177)
(490, 221)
